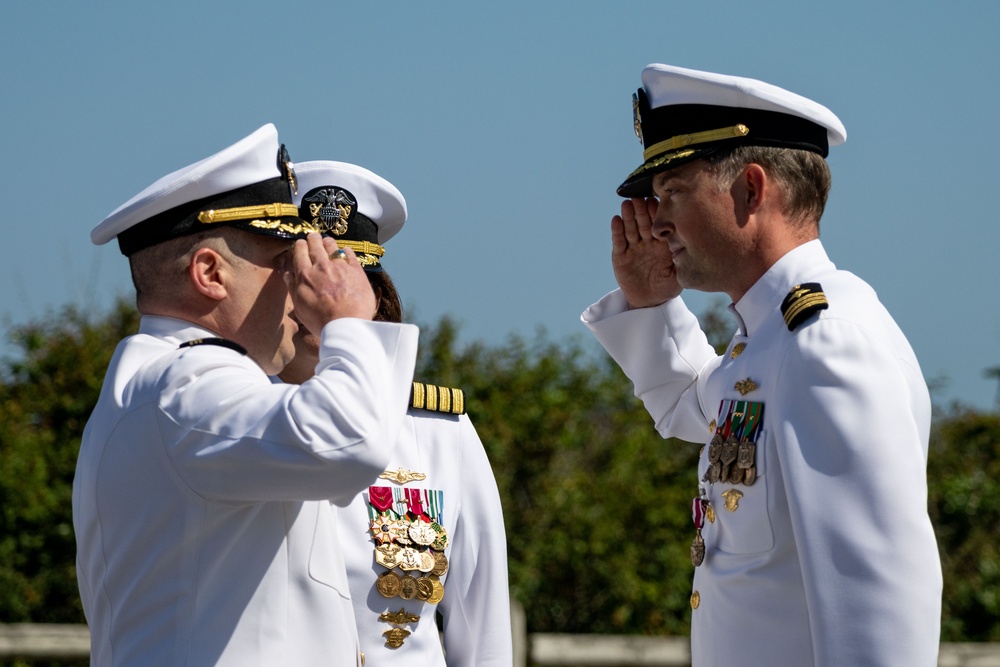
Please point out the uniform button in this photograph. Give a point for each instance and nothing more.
(737, 350)
(695, 600)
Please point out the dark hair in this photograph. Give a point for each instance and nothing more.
(389, 308)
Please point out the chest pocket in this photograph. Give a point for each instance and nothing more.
(326, 562)
(742, 523)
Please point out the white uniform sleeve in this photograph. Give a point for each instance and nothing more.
(855, 476)
(665, 354)
(229, 434)
(476, 604)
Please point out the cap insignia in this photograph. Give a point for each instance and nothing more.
(287, 169)
(802, 301)
(636, 116)
(332, 209)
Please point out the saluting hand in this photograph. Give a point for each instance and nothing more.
(324, 288)
(643, 264)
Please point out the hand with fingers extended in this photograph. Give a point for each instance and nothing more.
(643, 264)
(327, 283)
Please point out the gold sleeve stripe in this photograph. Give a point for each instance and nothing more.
(437, 399)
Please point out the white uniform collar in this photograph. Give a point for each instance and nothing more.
(172, 329)
(766, 294)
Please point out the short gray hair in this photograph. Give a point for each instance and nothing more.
(803, 176)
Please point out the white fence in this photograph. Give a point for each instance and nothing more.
(41, 641)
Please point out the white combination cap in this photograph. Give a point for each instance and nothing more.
(248, 185)
(684, 114)
(355, 206)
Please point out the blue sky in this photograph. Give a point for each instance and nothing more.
(507, 126)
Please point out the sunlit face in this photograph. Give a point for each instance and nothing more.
(699, 221)
(259, 293)
(303, 365)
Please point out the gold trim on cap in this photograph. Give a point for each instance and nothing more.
(248, 212)
(682, 140)
(302, 227)
(366, 247)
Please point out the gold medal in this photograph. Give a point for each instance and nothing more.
(389, 584)
(383, 528)
(426, 562)
(388, 555)
(746, 455)
(750, 475)
(409, 559)
(425, 588)
(714, 473)
(441, 539)
(730, 449)
(438, 594)
(440, 564)
(709, 512)
(408, 587)
(736, 475)
(422, 533)
(715, 448)
(697, 549)
(401, 531)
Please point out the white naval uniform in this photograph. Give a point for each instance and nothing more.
(476, 609)
(204, 533)
(829, 557)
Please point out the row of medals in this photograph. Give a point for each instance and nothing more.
(722, 455)
(414, 546)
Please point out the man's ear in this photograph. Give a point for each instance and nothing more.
(757, 187)
(206, 273)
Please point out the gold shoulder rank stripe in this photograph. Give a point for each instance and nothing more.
(437, 399)
(801, 302)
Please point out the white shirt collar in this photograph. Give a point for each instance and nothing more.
(172, 329)
(767, 293)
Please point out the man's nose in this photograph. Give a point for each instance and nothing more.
(661, 227)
